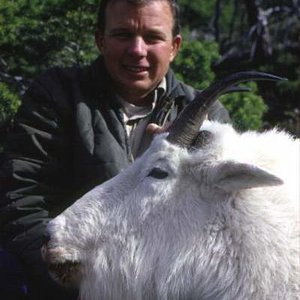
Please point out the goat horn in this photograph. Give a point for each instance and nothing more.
(185, 128)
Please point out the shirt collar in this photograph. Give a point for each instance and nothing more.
(134, 112)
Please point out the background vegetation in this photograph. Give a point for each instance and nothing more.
(221, 37)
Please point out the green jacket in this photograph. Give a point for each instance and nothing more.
(67, 137)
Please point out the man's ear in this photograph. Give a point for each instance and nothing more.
(99, 39)
(176, 46)
(231, 176)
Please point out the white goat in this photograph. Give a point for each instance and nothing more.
(219, 222)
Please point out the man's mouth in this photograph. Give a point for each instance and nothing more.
(136, 69)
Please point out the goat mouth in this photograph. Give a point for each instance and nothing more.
(67, 273)
(64, 271)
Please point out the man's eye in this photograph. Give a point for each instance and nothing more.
(122, 35)
(158, 173)
(152, 39)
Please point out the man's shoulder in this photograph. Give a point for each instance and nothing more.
(67, 84)
(73, 75)
(60, 76)
(189, 91)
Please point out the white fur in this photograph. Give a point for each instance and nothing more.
(220, 226)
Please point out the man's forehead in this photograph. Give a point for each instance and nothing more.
(132, 16)
(138, 2)
(136, 6)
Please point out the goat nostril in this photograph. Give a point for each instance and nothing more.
(46, 238)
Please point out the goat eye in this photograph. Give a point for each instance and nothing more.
(158, 173)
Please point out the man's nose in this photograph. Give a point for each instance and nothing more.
(138, 47)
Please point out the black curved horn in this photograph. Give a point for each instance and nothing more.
(186, 127)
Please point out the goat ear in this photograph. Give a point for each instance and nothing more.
(231, 176)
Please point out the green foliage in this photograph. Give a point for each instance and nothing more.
(9, 101)
(193, 66)
(36, 35)
(196, 13)
(193, 63)
(246, 108)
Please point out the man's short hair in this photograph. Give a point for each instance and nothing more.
(101, 18)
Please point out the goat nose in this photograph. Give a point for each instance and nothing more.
(46, 238)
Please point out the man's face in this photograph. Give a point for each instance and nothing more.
(138, 46)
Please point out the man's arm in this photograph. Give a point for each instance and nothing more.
(35, 181)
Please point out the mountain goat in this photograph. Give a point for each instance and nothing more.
(210, 214)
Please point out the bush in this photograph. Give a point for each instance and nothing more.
(9, 103)
(193, 63)
(246, 109)
(193, 66)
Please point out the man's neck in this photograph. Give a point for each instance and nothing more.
(137, 100)
(142, 99)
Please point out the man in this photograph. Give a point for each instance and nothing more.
(78, 127)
